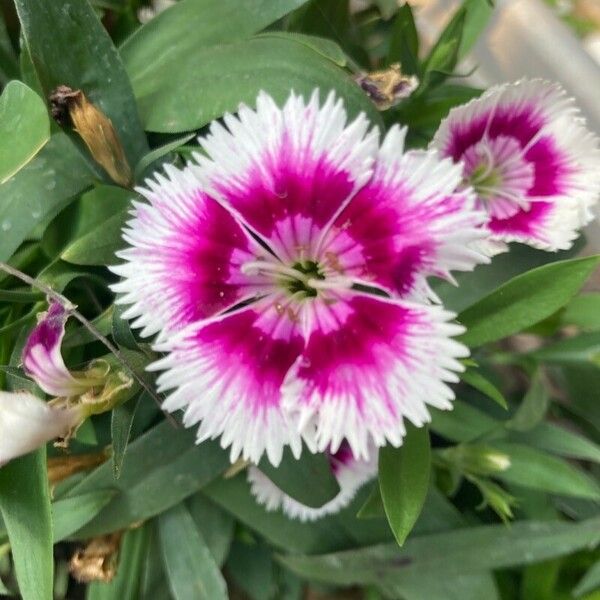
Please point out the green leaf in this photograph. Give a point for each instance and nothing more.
(190, 26)
(215, 525)
(478, 14)
(444, 55)
(225, 75)
(373, 505)
(234, 496)
(308, 480)
(525, 300)
(324, 46)
(126, 585)
(70, 514)
(163, 467)
(102, 212)
(62, 55)
(404, 41)
(150, 161)
(25, 508)
(583, 312)
(537, 470)
(251, 567)
(557, 440)
(24, 127)
(121, 330)
(589, 582)
(463, 423)
(98, 247)
(475, 379)
(40, 190)
(191, 570)
(404, 480)
(484, 279)
(120, 429)
(581, 350)
(454, 553)
(87, 214)
(532, 408)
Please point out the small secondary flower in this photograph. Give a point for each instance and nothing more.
(43, 361)
(533, 164)
(286, 274)
(351, 474)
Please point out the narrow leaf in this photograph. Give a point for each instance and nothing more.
(309, 479)
(404, 480)
(62, 55)
(25, 508)
(120, 429)
(475, 379)
(533, 408)
(24, 127)
(70, 514)
(525, 300)
(537, 470)
(191, 570)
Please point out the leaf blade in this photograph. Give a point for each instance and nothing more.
(404, 475)
(525, 300)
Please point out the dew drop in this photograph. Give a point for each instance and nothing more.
(6, 225)
(50, 185)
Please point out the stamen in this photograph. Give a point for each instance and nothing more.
(256, 267)
(500, 193)
(330, 284)
(487, 153)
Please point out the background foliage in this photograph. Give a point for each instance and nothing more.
(435, 524)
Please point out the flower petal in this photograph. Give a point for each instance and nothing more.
(407, 223)
(553, 161)
(288, 171)
(42, 360)
(185, 257)
(351, 474)
(26, 423)
(227, 373)
(369, 363)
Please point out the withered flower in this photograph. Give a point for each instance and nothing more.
(387, 87)
(72, 107)
(98, 560)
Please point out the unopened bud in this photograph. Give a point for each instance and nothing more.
(387, 87)
(70, 106)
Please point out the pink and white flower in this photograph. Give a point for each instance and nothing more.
(26, 423)
(286, 273)
(534, 166)
(42, 359)
(351, 474)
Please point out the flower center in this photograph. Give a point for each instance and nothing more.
(305, 278)
(308, 273)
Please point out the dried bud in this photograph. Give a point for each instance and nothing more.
(387, 87)
(98, 560)
(70, 106)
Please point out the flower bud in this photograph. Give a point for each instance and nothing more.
(26, 423)
(387, 87)
(96, 130)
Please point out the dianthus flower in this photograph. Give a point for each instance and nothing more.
(286, 274)
(533, 165)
